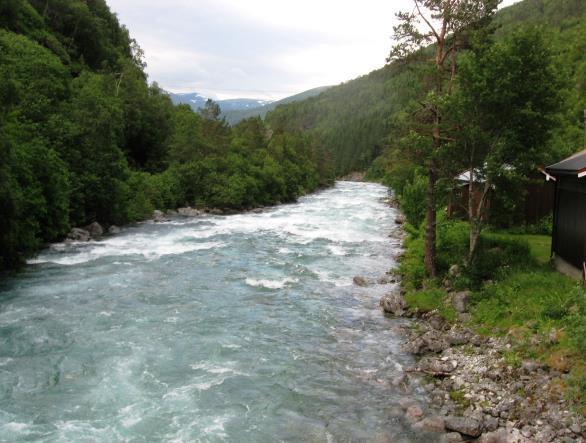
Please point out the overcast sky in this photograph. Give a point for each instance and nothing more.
(259, 48)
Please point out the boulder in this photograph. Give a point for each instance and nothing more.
(159, 216)
(434, 320)
(399, 219)
(95, 229)
(431, 341)
(461, 301)
(499, 436)
(386, 280)
(393, 303)
(216, 211)
(188, 212)
(451, 437)
(457, 337)
(113, 230)
(464, 425)
(360, 281)
(431, 424)
(78, 234)
(437, 366)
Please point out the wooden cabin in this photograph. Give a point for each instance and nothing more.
(536, 201)
(569, 221)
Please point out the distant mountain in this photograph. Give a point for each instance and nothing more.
(237, 109)
(192, 99)
(197, 101)
(241, 104)
(235, 115)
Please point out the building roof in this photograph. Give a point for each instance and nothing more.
(574, 165)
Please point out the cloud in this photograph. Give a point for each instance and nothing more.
(259, 48)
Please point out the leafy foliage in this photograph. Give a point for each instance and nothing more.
(84, 137)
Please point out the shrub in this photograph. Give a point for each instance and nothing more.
(413, 202)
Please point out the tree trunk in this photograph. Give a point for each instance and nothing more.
(429, 259)
(475, 229)
(475, 216)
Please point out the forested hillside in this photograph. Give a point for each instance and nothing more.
(84, 137)
(233, 116)
(359, 120)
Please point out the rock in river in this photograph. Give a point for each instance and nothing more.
(393, 303)
(78, 234)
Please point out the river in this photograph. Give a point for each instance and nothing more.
(243, 328)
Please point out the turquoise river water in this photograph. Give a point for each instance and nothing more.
(243, 328)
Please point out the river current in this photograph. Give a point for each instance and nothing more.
(243, 328)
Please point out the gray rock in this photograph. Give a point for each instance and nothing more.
(457, 338)
(171, 212)
(257, 210)
(436, 365)
(431, 341)
(460, 301)
(490, 423)
(451, 437)
(360, 281)
(393, 303)
(436, 321)
(78, 234)
(431, 424)
(216, 211)
(188, 212)
(386, 279)
(114, 230)
(464, 425)
(400, 219)
(499, 436)
(159, 216)
(95, 229)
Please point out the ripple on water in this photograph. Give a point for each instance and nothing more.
(238, 328)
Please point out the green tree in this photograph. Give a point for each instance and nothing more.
(508, 96)
(441, 23)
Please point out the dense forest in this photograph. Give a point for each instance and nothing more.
(84, 137)
(365, 119)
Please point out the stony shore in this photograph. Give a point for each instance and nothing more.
(473, 393)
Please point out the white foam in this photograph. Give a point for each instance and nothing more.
(271, 284)
(17, 428)
(149, 248)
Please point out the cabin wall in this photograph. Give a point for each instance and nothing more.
(569, 240)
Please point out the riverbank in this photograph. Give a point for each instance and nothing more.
(496, 355)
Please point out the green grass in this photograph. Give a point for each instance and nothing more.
(539, 245)
(430, 300)
(515, 292)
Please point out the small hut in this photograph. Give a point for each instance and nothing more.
(569, 220)
(535, 203)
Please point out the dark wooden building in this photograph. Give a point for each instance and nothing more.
(535, 203)
(569, 221)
